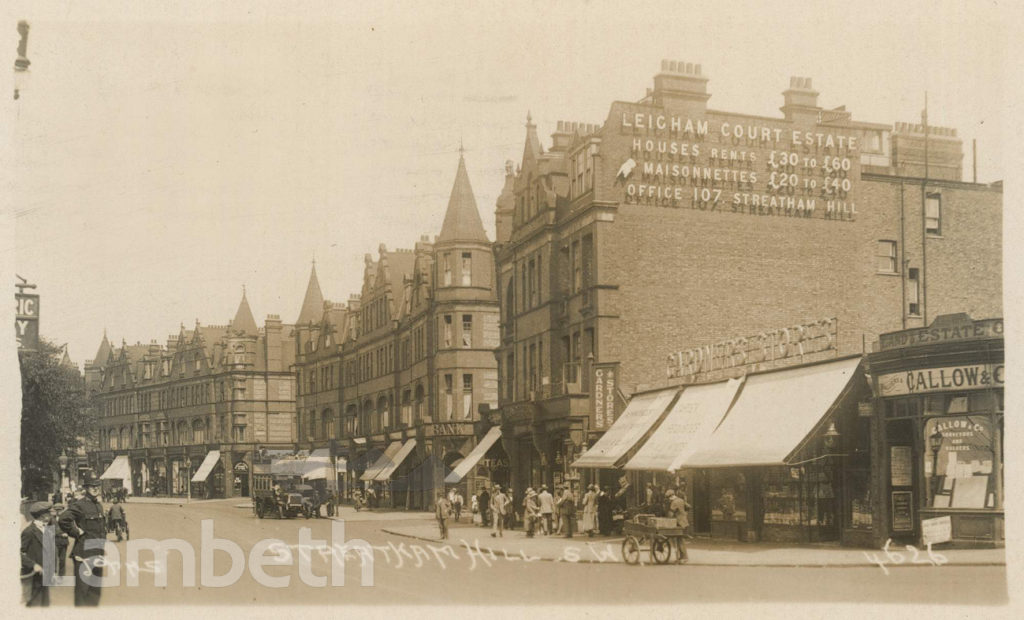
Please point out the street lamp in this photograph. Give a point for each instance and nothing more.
(62, 460)
(830, 436)
(935, 443)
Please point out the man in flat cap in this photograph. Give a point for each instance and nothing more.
(85, 522)
(37, 593)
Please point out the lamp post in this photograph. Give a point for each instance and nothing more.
(188, 468)
(62, 460)
(935, 443)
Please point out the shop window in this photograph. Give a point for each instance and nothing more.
(959, 461)
(933, 214)
(886, 257)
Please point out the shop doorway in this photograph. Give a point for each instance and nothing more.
(904, 495)
(702, 502)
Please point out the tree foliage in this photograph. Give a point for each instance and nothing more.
(54, 416)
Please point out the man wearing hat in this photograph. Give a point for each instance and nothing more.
(85, 522)
(37, 594)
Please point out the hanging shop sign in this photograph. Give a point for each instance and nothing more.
(769, 348)
(944, 329)
(606, 404)
(948, 378)
(937, 530)
(733, 165)
(241, 467)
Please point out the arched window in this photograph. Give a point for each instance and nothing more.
(417, 406)
(407, 407)
(184, 433)
(383, 412)
(327, 425)
(351, 420)
(198, 431)
(365, 417)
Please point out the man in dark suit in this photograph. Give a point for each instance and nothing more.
(32, 554)
(85, 522)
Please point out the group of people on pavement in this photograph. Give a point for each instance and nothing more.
(562, 513)
(85, 521)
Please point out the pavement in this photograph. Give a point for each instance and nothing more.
(701, 552)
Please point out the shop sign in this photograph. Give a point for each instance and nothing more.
(902, 511)
(241, 467)
(955, 328)
(937, 530)
(453, 428)
(949, 378)
(26, 321)
(606, 404)
(776, 345)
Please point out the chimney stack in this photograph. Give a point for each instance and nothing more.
(681, 86)
(800, 101)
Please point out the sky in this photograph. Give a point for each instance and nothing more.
(159, 162)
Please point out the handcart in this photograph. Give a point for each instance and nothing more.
(647, 532)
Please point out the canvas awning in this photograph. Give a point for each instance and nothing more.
(467, 464)
(120, 469)
(774, 415)
(692, 419)
(318, 465)
(643, 411)
(207, 466)
(389, 468)
(382, 461)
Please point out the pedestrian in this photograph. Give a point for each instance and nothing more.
(442, 511)
(590, 511)
(567, 511)
(36, 592)
(604, 512)
(116, 519)
(84, 521)
(499, 511)
(649, 495)
(457, 505)
(485, 507)
(61, 540)
(531, 512)
(547, 507)
(677, 508)
(474, 508)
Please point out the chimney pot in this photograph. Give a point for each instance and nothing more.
(696, 69)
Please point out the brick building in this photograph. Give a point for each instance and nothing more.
(672, 226)
(391, 382)
(195, 409)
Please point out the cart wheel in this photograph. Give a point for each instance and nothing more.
(661, 550)
(631, 550)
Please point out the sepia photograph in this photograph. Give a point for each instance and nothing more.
(569, 309)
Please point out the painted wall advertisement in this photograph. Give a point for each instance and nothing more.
(605, 402)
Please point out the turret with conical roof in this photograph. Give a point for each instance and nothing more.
(462, 219)
(313, 303)
(244, 321)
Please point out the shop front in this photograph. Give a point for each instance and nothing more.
(939, 407)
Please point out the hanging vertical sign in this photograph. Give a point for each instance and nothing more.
(26, 321)
(605, 403)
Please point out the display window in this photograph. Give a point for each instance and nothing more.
(730, 501)
(959, 461)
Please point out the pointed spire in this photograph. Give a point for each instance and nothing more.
(462, 219)
(103, 353)
(243, 318)
(313, 304)
(533, 147)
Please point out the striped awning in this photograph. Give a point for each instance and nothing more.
(467, 464)
(382, 461)
(389, 469)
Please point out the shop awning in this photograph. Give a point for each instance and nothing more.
(638, 418)
(318, 465)
(382, 461)
(774, 414)
(687, 426)
(120, 469)
(207, 466)
(467, 464)
(389, 468)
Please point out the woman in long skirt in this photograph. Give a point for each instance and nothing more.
(589, 524)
